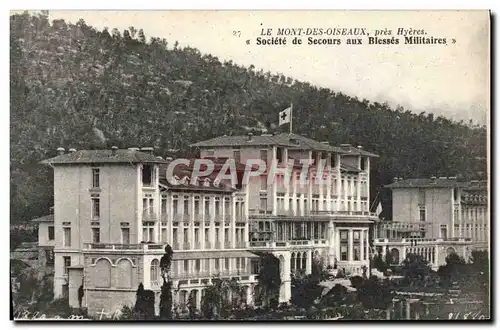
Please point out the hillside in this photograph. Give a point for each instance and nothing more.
(74, 86)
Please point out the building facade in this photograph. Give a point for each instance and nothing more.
(116, 210)
(435, 217)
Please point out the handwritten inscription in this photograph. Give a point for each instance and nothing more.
(27, 315)
(466, 316)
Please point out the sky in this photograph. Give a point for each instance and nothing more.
(451, 80)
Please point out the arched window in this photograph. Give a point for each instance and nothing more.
(155, 270)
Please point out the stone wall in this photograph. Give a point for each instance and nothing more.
(108, 301)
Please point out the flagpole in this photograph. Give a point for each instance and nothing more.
(291, 116)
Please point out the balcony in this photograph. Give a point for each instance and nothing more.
(109, 246)
(149, 215)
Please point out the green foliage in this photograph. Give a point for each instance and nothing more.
(69, 81)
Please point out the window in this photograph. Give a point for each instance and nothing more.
(186, 266)
(455, 194)
(147, 175)
(186, 205)
(263, 204)
(344, 254)
(197, 265)
(164, 237)
(96, 235)
(226, 263)
(67, 237)
(363, 163)
(217, 265)
(49, 257)
(125, 235)
(154, 270)
(175, 206)
(444, 232)
(237, 156)
(96, 208)
(95, 178)
(356, 246)
(207, 206)
(263, 183)
(263, 156)
(67, 264)
(163, 206)
(421, 214)
(279, 155)
(210, 153)
(356, 250)
(51, 233)
(421, 197)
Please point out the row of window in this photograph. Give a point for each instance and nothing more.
(147, 176)
(301, 204)
(280, 157)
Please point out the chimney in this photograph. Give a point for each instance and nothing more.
(60, 151)
(250, 136)
(113, 150)
(148, 150)
(72, 150)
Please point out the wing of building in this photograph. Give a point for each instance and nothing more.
(435, 217)
(115, 210)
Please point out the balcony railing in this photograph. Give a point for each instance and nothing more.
(149, 215)
(109, 246)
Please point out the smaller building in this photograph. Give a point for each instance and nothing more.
(435, 217)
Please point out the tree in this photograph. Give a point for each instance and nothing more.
(305, 290)
(269, 277)
(375, 295)
(166, 288)
(215, 301)
(415, 270)
(144, 308)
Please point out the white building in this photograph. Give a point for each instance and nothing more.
(435, 217)
(115, 210)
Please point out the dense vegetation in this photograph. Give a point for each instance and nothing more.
(74, 86)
